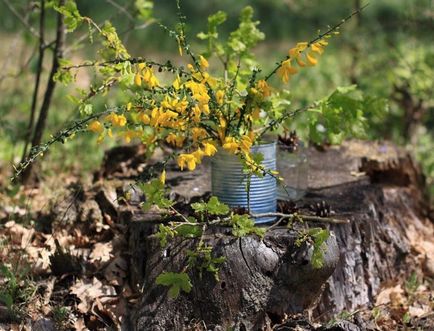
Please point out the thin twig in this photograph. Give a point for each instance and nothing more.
(303, 217)
(21, 19)
(282, 118)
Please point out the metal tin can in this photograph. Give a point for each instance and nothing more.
(229, 182)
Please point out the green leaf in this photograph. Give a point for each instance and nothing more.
(176, 282)
(164, 232)
(189, 230)
(243, 225)
(320, 237)
(215, 207)
(144, 9)
(72, 17)
(155, 195)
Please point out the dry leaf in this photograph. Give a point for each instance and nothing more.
(79, 325)
(19, 234)
(393, 295)
(101, 252)
(88, 292)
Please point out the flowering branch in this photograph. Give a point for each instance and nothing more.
(321, 36)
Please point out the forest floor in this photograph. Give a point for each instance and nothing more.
(64, 265)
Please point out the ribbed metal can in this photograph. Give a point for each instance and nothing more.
(229, 183)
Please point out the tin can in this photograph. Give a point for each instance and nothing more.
(229, 182)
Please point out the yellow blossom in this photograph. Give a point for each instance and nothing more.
(198, 133)
(264, 88)
(100, 138)
(96, 126)
(203, 63)
(286, 70)
(144, 118)
(209, 149)
(231, 145)
(187, 159)
(116, 120)
(317, 47)
(138, 79)
(220, 97)
(198, 155)
(245, 144)
(129, 105)
(175, 140)
(130, 134)
(163, 176)
(177, 83)
(311, 60)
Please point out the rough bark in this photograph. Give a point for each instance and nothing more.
(376, 186)
(260, 281)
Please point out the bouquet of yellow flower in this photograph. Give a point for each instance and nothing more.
(202, 109)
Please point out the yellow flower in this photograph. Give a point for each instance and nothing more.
(220, 97)
(116, 120)
(286, 70)
(231, 145)
(163, 176)
(245, 144)
(175, 140)
(177, 83)
(130, 134)
(144, 118)
(129, 105)
(209, 149)
(264, 88)
(198, 155)
(311, 60)
(198, 133)
(96, 126)
(203, 63)
(187, 159)
(141, 66)
(138, 79)
(317, 47)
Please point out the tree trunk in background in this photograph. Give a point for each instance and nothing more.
(39, 70)
(51, 84)
(375, 186)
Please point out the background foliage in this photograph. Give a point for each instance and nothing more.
(386, 53)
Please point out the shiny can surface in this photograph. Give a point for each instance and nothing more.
(228, 182)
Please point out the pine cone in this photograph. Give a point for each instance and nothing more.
(290, 142)
(287, 207)
(322, 209)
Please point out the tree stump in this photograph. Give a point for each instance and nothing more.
(375, 186)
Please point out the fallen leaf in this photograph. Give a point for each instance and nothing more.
(101, 252)
(393, 295)
(79, 325)
(89, 291)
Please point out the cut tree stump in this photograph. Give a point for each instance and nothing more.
(375, 186)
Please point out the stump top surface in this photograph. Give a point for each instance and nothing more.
(337, 165)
